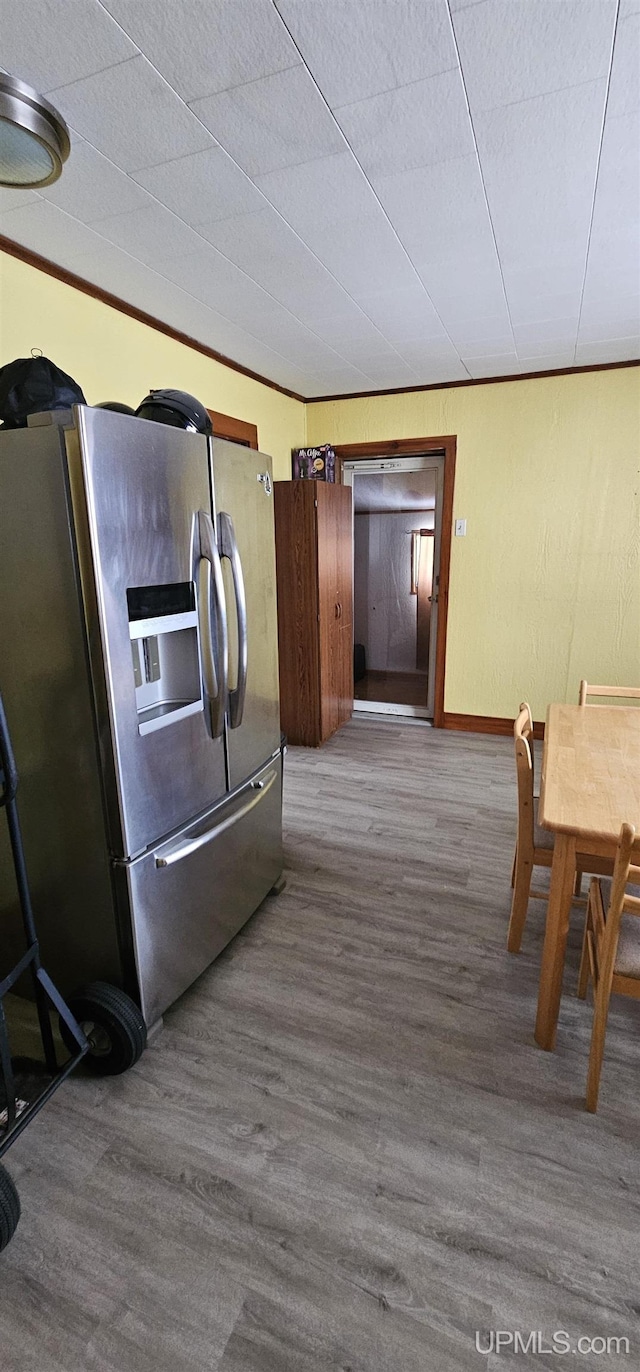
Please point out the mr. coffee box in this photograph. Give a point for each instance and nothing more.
(318, 464)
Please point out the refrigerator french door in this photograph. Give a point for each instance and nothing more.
(139, 740)
(243, 500)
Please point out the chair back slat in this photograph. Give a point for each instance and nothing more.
(610, 692)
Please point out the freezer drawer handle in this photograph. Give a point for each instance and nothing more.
(184, 850)
(229, 548)
(215, 680)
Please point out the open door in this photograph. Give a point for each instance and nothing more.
(397, 504)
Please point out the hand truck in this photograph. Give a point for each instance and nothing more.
(26, 1085)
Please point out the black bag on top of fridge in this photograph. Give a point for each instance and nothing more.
(31, 385)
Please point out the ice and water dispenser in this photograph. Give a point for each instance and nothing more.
(163, 628)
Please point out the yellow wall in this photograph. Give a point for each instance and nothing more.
(114, 357)
(545, 588)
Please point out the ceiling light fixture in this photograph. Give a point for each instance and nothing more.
(34, 139)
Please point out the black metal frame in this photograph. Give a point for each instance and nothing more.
(46, 996)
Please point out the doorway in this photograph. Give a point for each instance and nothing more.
(397, 519)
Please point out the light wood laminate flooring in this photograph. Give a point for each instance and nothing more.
(345, 1151)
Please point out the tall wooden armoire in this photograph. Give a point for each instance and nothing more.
(314, 561)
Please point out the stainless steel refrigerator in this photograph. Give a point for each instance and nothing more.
(138, 664)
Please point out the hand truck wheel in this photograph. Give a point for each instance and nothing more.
(113, 1025)
(9, 1208)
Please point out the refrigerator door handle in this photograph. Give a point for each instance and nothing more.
(169, 856)
(215, 675)
(229, 549)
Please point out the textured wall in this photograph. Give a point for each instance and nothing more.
(114, 357)
(545, 588)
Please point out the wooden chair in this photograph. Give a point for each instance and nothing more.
(617, 692)
(610, 950)
(534, 845)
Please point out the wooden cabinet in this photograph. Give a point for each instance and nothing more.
(314, 560)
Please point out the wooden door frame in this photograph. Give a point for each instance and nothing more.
(421, 447)
(235, 430)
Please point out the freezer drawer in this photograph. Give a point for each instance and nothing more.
(186, 898)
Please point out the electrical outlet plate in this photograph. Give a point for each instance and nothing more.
(461, 528)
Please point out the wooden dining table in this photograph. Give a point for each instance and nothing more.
(590, 786)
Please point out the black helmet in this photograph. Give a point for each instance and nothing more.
(178, 408)
(116, 405)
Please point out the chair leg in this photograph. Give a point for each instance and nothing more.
(513, 869)
(598, 1035)
(583, 974)
(519, 905)
(577, 887)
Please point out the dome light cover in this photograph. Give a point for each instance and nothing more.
(34, 139)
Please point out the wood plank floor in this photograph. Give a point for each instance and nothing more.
(345, 1151)
(393, 688)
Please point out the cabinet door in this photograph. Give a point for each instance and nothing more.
(298, 615)
(344, 650)
(335, 560)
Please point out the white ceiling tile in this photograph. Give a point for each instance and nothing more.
(410, 127)
(14, 200)
(439, 211)
(357, 50)
(465, 287)
(548, 362)
(615, 231)
(511, 52)
(205, 46)
(269, 251)
(331, 206)
(323, 192)
(271, 123)
(150, 233)
(220, 285)
(429, 353)
(546, 334)
(92, 187)
(613, 350)
(224, 287)
(47, 230)
(50, 42)
(531, 353)
(539, 185)
(361, 251)
(203, 187)
(391, 372)
(612, 323)
(502, 364)
(474, 348)
(341, 378)
(345, 324)
(545, 290)
(402, 315)
(624, 89)
(130, 114)
(530, 306)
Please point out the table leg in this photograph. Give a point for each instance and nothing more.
(555, 939)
